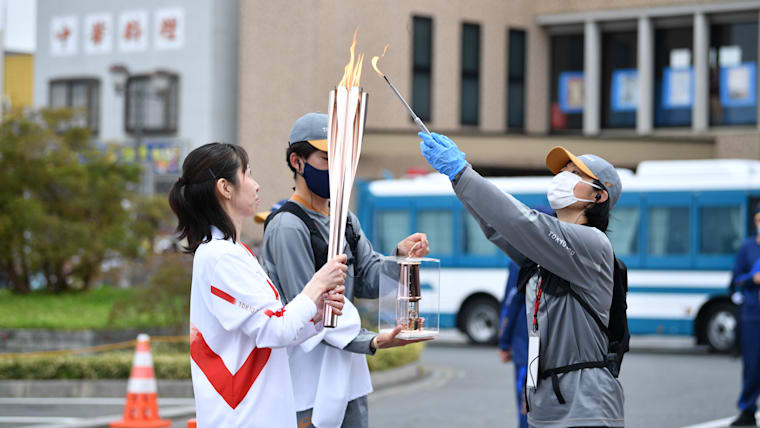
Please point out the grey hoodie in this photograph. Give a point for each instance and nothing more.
(579, 254)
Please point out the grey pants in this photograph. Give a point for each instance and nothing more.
(357, 415)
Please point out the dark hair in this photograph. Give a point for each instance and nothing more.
(193, 197)
(302, 149)
(598, 215)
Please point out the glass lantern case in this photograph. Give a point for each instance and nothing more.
(409, 296)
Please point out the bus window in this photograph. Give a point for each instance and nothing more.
(668, 231)
(438, 225)
(720, 229)
(392, 227)
(475, 242)
(623, 230)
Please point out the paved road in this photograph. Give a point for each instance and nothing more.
(668, 383)
(664, 388)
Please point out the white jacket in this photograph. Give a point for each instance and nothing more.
(239, 337)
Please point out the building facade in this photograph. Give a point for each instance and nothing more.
(178, 60)
(630, 80)
(18, 80)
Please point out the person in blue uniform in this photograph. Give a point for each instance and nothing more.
(513, 338)
(745, 288)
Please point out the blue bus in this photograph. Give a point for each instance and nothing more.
(677, 227)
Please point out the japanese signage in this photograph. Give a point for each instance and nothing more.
(164, 156)
(133, 31)
(63, 36)
(98, 33)
(169, 29)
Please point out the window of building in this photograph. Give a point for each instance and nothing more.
(566, 83)
(674, 76)
(149, 109)
(438, 226)
(391, 227)
(720, 230)
(733, 73)
(668, 231)
(623, 230)
(475, 242)
(516, 80)
(619, 80)
(422, 63)
(82, 95)
(470, 99)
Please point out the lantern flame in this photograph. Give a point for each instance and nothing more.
(352, 73)
(375, 59)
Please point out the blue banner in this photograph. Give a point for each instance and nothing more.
(738, 85)
(624, 96)
(571, 91)
(677, 87)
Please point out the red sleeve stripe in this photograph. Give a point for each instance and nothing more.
(280, 312)
(276, 295)
(222, 295)
(248, 248)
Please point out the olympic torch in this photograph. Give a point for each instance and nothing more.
(346, 115)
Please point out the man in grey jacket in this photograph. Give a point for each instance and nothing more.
(573, 256)
(289, 258)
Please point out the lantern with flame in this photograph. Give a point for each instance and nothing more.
(346, 114)
(409, 296)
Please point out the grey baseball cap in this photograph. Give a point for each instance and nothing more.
(311, 127)
(591, 165)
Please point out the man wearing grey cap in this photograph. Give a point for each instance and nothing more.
(330, 377)
(572, 262)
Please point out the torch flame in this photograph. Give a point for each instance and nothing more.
(353, 70)
(375, 59)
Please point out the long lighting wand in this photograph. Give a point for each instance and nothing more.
(416, 118)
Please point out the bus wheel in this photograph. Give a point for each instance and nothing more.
(481, 320)
(720, 327)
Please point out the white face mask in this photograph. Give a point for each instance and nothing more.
(560, 191)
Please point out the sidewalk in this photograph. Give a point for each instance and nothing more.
(93, 403)
(166, 388)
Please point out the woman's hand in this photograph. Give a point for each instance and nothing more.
(331, 275)
(335, 299)
(389, 339)
(415, 245)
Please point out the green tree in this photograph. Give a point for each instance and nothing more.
(66, 204)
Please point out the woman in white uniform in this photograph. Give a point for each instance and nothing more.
(239, 329)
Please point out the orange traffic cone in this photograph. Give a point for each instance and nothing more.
(141, 408)
(191, 423)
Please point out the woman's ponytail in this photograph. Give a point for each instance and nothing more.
(193, 196)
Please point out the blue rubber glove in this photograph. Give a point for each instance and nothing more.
(442, 154)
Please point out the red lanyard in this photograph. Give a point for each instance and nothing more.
(538, 301)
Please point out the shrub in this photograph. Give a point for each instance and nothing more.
(116, 365)
(389, 358)
(171, 362)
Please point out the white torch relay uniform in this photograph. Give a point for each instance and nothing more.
(240, 332)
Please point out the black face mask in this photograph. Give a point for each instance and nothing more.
(317, 180)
